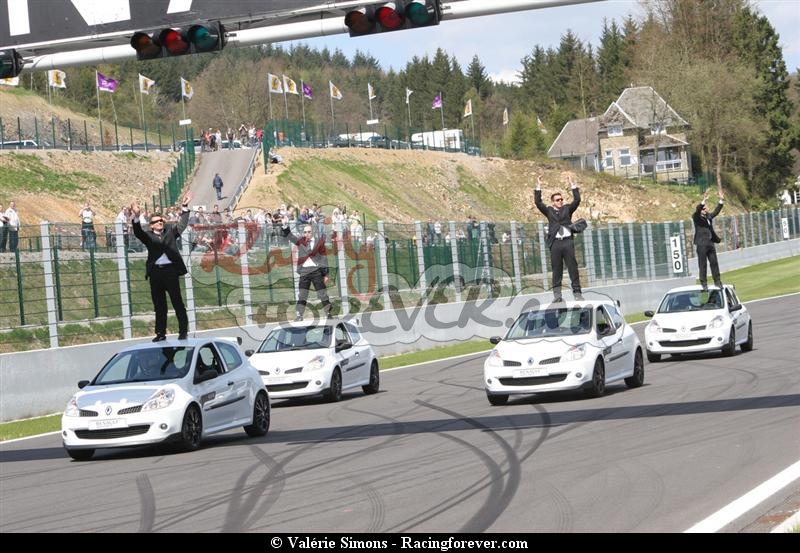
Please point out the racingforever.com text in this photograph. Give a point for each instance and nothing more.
(403, 542)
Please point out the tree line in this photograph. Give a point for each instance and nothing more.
(719, 64)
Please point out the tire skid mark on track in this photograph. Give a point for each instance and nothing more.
(263, 495)
(147, 503)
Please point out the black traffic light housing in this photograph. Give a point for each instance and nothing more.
(11, 64)
(179, 41)
(393, 16)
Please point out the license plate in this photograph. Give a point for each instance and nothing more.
(107, 423)
(527, 373)
(277, 380)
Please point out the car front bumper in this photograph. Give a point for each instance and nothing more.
(133, 429)
(550, 378)
(688, 342)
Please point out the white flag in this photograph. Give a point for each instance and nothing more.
(336, 94)
(468, 108)
(370, 91)
(10, 81)
(505, 116)
(145, 84)
(56, 78)
(408, 93)
(274, 83)
(289, 85)
(186, 89)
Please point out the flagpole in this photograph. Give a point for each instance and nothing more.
(99, 120)
(333, 118)
(441, 108)
(369, 96)
(285, 101)
(49, 98)
(269, 94)
(303, 103)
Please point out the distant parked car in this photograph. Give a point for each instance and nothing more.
(564, 346)
(378, 142)
(175, 390)
(691, 320)
(316, 357)
(21, 144)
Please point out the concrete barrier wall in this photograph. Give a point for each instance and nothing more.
(40, 382)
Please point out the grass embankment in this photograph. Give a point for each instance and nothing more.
(774, 278)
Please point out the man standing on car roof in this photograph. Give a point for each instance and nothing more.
(164, 266)
(312, 267)
(705, 238)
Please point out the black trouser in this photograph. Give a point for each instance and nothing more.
(708, 252)
(165, 280)
(3, 238)
(306, 279)
(563, 251)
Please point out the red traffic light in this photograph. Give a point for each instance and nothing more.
(199, 38)
(173, 42)
(392, 16)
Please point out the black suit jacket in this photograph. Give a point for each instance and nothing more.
(557, 217)
(166, 243)
(704, 234)
(318, 253)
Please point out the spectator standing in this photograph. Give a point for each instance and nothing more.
(312, 267)
(87, 227)
(164, 267)
(123, 217)
(705, 239)
(217, 184)
(12, 223)
(560, 239)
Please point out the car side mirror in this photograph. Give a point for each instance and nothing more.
(495, 340)
(249, 352)
(604, 329)
(736, 307)
(83, 383)
(341, 346)
(208, 374)
(649, 313)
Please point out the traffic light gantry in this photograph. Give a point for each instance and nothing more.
(179, 41)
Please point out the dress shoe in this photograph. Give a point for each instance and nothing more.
(159, 338)
(578, 296)
(299, 317)
(558, 299)
(182, 336)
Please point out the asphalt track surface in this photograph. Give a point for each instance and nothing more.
(429, 454)
(232, 167)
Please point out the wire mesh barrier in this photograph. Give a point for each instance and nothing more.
(61, 287)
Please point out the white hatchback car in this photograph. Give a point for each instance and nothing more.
(690, 320)
(181, 390)
(564, 346)
(316, 357)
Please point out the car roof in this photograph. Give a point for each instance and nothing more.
(174, 342)
(696, 288)
(573, 304)
(329, 321)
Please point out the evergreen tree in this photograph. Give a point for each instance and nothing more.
(478, 79)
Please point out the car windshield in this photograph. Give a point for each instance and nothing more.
(297, 337)
(551, 322)
(146, 365)
(691, 300)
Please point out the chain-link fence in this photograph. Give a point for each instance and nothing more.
(61, 287)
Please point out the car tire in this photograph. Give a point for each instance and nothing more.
(653, 357)
(374, 380)
(191, 429)
(80, 454)
(597, 386)
(497, 399)
(637, 378)
(261, 417)
(334, 392)
(748, 345)
(729, 348)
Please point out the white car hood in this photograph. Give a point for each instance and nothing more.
(285, 359)
(134, 394)
(688, 319)
(538, 348)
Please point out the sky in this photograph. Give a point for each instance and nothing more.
(501, 41)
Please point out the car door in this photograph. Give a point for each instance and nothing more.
(238, 378)
(362, 358)
(345, 355)
(215, 392)
(739, 316)
(610, 334)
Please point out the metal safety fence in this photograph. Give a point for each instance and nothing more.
(57, 289)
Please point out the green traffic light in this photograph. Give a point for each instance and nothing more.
(419, 13)
(203, 39)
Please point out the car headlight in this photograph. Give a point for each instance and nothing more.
(654, 327)
(162, 398)
(574, 353)
(494, 360)
(315, 364)
(72, 409)
(716, 322)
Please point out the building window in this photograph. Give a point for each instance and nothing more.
(615, 130)
(669, 160)
(608, 161)
(625, 157)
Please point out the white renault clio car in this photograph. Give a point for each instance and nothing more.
(564, 346)
(316, 357)
(690, 320)
(181, 390)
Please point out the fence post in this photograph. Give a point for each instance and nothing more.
(122, 274)
(648, 243)
(515, 257)
(49, 287)
(486, 273)
(543, 253)
(612, 247)
(632, 242)
(383, 263)
(588, 255)
(243, 263)
(188, 281)
(342, 272)
(457, 278)
(420, 259)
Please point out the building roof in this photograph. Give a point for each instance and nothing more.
(643, 107)
(577, 138)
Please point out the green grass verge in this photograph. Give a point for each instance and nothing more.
(774, 278)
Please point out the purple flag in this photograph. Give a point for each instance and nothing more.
(437, 102)
(106, 84)
(307, 92)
